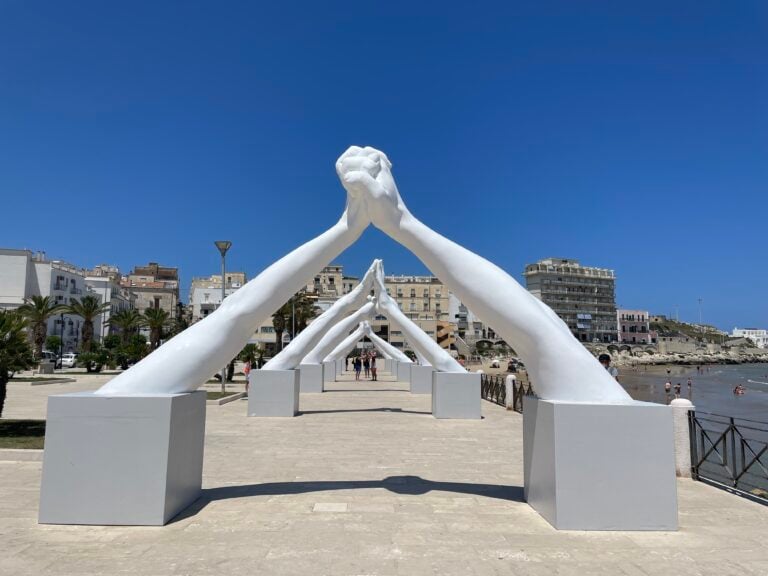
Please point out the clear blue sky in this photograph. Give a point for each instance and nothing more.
(632, 136)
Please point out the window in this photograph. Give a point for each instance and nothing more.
(267, 330)
(157, 302)
(330, 280)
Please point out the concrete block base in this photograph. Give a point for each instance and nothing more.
(404, 371)
(329, 371)
(121, 460)
(311, 378)
(274, 393)
(387, 365)
(456, 395)
(600, 466)
(421, 379)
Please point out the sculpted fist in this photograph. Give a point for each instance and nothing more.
(355, 214)
(384, 303)
(359, 295)
(367, 173)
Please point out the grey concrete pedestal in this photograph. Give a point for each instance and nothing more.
(340, 366)
(600, 466)
(421, 379)
(127, 460)
(456, 395)
(274, 393)
(311, 378)
(329, 371)
(387, 365)
(404, 371)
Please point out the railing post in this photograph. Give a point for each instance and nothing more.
(694, 444)
(509, 389)
(734, 473)
(682, 431)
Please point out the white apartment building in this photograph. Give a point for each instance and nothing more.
(24, 274)
(759, 337)
(108, 288)
(205, 293)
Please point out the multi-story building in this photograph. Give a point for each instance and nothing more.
(423, 299)
(583, 296)
(105, 281)
(24, 274)
(758, 336)
(634, 327)
(155, 286)
(205, 293)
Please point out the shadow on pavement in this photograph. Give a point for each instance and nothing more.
(411, 485)
(382, 409)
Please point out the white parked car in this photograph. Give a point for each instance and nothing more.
(69, 360)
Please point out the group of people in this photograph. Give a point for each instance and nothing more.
(365, 363)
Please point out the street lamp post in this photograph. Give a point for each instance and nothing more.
(223, 246)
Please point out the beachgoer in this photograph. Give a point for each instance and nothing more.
(605, 360)
(247, 372)
(373, 368)
(357, 365)
(667, 386)
(367, 366)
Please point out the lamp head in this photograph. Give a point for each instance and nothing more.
(223, 246)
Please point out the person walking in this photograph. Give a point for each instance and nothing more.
(367, 366)
(357, 365)
(247, 372)
(373, 368)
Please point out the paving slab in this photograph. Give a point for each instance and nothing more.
(365, 481)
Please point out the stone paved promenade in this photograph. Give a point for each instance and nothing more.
(366, 482)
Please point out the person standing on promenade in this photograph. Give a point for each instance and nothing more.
(605, 360)
(357, 364)
(366, 366)
(373, 368)
(247, 372)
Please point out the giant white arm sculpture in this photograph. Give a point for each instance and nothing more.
(385, 347)
(560, 367)
(303, 344)
(338, 333)
(346, 345)
(190, 358)
(419, 340)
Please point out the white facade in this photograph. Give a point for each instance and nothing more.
(205, 293)
(109, 290)
(759, 337)
(24, 274)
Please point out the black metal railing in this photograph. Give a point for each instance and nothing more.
(493, 389)
(731, 452)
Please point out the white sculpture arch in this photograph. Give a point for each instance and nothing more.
(385, 347)
(560, 367)
(346, 345)
(338, 333)
(292, 355)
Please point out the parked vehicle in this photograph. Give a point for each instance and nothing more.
(69, 360)
(49, 356)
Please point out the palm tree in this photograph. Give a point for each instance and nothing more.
(278, 323)
(88, 308)
(156, 319)
(37, 310)
(15, 353)
(305, 310)
(127, 321)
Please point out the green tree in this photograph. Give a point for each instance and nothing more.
(37, 310)
(15, 352)
(299, 310)
(53, 343)
(127, 322)
(94, 359)
(88, 308)
(156, 319)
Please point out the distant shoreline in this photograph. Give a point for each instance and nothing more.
(690, 360)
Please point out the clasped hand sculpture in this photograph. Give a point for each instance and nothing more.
(559, 366)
